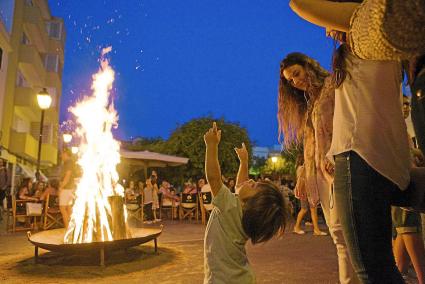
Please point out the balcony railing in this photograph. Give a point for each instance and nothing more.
(26, 145)
(35, 28)
(31, 65)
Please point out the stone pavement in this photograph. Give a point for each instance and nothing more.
(292, 259)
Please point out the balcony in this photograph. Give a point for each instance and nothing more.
(34, 28)
(23, 144)
(53, 80)
(26, 102)
(31, 65)
(56, 47)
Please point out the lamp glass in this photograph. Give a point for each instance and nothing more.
(274, 159)
(44, 99)
(74, 150)
(67, 137)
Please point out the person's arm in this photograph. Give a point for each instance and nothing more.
(243, 165)
(212, 166)
(327, 14)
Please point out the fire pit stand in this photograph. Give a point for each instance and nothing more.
(52, 240)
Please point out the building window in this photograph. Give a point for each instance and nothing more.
(29, 3)
(25, 40)
(20, 80)
(51, 62)
(54, 29)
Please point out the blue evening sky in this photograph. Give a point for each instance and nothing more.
(178, 60)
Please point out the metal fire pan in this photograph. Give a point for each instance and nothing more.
(52, 240)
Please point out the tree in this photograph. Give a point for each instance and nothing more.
(188, 141)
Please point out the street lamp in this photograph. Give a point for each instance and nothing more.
(274, 161)
(74, 150)
(44, 101)
(67, 138)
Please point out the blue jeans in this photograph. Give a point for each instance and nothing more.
(363, 198)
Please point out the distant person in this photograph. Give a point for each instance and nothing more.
(258, 213)
(407, 233)
(4, 183)
(200, 184)
(167, 193)
(67, 186)
(155, 192)
(300, 192)
(148, 202)
(189, 188)
(130, 193)
(24, 192)
(231, 183)
(51, 190)
(38, 189)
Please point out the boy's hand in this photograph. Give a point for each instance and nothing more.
(242, 153)
(213, 136)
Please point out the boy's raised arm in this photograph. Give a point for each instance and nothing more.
(212, 166)
(243, 165)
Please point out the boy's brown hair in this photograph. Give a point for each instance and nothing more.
(265, 213)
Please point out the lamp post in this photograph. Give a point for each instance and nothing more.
(44, 101)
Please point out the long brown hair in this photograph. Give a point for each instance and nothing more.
(292, 104)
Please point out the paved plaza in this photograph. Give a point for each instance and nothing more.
(292, 259)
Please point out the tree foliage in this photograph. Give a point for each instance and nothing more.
(187, 140)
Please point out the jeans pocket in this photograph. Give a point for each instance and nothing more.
(342, 170)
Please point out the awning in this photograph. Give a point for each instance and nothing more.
(28, 172)
(152, 159)
(132, 160)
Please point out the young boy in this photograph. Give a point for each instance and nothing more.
(257, 213)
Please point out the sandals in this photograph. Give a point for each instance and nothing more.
(320, 234)
(298, 232)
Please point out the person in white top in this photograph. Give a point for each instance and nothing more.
(369, 144)
(370, 147)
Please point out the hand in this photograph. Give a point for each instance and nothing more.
(329, 167)
(300, 192)
(213, 136)
(242, 153)
(418, 158)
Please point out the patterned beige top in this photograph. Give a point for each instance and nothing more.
(317, 141)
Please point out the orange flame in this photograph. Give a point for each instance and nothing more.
(98, 158)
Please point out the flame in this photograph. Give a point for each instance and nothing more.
(98, 158)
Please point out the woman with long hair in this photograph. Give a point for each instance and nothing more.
(305, 113)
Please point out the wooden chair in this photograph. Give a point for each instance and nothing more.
(9, 214)
(19, 211)
(166, 205)
(205, 200)
(189, 206)
(51, 215)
